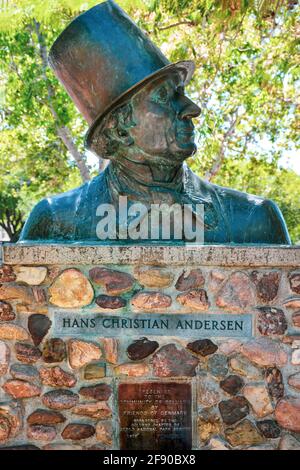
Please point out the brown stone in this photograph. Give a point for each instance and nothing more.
(24, 372)
(4, 358)
(96, 410)
(271, 321)
(132, 370)
(258, 397)
(150, 276)
(232, 384)
(194, 299)
(193, 280)
(264, 352)
(45, 417)
(7, 274)
(110, 347)
(60, 399)
(243, 434)
(233, 410)
(115, 282)
(57, 377)
(287, 413)
(170, 361)
(296, 319)
(27, 353)
(71, 289)
(57, 447)
(32, 308)
(13, 332)
(39, 295)
(242, 366)
(209, 424)
(141, 348)
(269, 428)
(237, 294)
(151, 301)
(216, 279)
(104, 433)
(274, 382)
(4, 428)
(208, 391)
(19, 293)
(267, 285)
(94, 371)
(21, 389)
(110, 302)
(38, 326)
(100, 392)
(31, 275)
(40, 432)
(12, 411)
(54, 350)
(77, 432)
(294, 280)
(294, 381)
(292, 302)
(81, 353)
(203, 347)
(6, 312)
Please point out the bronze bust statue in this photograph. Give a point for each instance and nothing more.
(140, 119)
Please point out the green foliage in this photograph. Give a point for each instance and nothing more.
(247, 58)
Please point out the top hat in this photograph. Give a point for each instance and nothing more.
(102, 58)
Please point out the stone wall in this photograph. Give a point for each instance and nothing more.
(61, 392)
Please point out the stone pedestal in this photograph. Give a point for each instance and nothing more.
(165, 348)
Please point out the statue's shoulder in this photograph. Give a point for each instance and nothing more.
(252, 219)
(55, 217)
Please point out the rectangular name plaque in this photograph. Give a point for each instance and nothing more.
(155, 416)
(183, 325)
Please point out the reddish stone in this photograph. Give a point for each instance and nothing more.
(151, 301)
(271, 321)
(54, 350)
(12, 411)
(95, 410)
(141, 348)
(57, 377)
(193, 280)
(216, 279)
(60, 399)
(294, 381)
(19, 293)
(296, 319)
(294, 280)
(6, 312)
(7, 274)
(150, 276)
(269, 428)
(233, 410)
(132, 369)
(109, 301)
(287, 413)
(204, 347)
(232, 384)
(21, 389)
(194, 299)
(237, 294)
(104, 433)
(110, 347)
(82, 352)
(76, 432)
(4, 358)
(258, 397)
(292, 302)
(274, 382)
(115, 282)
(4, 428)
(264, 352)
(39, 432)
(13, 332)
(39, 295)
(27, 353)
(45, 417)
(99, 392)
(171, 361)
(267, 285)
(38, 326)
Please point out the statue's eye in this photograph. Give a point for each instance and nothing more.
(161, 95)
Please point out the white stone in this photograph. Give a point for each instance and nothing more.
(31, 275)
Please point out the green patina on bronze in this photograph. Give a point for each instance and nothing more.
(140, 119)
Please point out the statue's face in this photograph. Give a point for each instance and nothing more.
(163, 116)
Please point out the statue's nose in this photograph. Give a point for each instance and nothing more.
(188, 109)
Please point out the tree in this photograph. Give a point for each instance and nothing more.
(245, 82)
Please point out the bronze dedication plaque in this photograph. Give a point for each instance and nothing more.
(155, 416)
